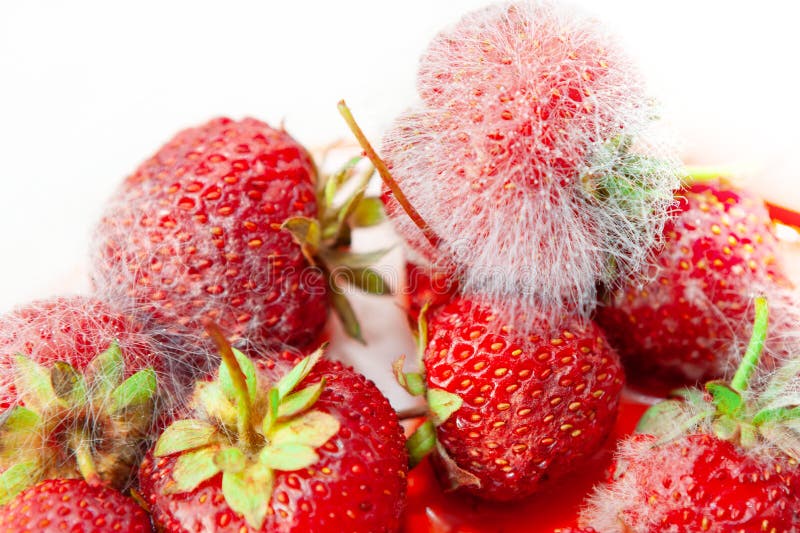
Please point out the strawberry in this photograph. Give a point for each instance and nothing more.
(513, 407)
(79, 383)
(690, 319)
(196, 232)
(530, 165)
(723, 459)
(426, 285)
(314, 447)
(57, 505)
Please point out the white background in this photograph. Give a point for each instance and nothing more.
(90, 89)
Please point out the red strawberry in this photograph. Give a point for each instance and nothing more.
(196, 232)
(320, 450)
(516, 407)
(692, 317)
(58, 505)
(79, 385)
(719, 461)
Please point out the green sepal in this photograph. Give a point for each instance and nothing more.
(313, 429)
(728, 401)
(106, 371)
(307, 233)
(335, 259)
(350, 204)
(690, 395)
(230, 460)
(20, 419)
(369, 212)
(137, 390)
(299, 372)
(17, 478)
(660, 417)
(288, 457)
(366, 279)
(341, 306)
(33, 384)
(422, 334)
(442, 404)
(273, 407)
(777, 415)
(301, 400)
(192, 468)
(748, 436)
(412, 382)
(248, 492)
(215, 403)
(421, 443)
(248, 369)
(184, 435)
(725, 427)
(68, 385)
(455, 476)
(334, 181)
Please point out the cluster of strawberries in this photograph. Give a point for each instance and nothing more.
(190, 391)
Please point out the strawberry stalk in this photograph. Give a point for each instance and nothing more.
(247, 433)
(754, 348)
(386, 176)
(79, 442)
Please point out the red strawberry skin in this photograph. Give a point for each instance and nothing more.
(70, 329)
(535, 403)
(58, 505)
(719, 249)
(359, 483)
(426, 285)
(195, 233)
(698, 483)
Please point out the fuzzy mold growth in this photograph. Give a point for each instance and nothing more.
(533, 156)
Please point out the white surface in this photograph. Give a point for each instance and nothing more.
(89, 89)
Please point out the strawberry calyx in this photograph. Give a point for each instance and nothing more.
(68, 424)
(247, 429)
(325, 241)
(733, 411)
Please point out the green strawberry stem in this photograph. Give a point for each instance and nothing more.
(700, 174)
(754, 347)
(386, 176)
(80, 443)
(247, 434)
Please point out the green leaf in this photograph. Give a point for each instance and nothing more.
(17, 478)
(725, 427)
(660, 417)
(288, 457)
(249, 371)
(301, 400)
(442, 404)
(106, 371)
(412, 382)
(68, 384)
(299, 372)
(337, 258)
(137, 390)
(192, 468)
(184, 435)
(21, 419)
(248, 492)
(33, 384)
(313, 428)
(368, 212)
(343, 309)
(306, 232)
(421, 443)
(776, 416)
(727, 400)
(366, 279)
(230, 460)
(209, 395)
(273, 406)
